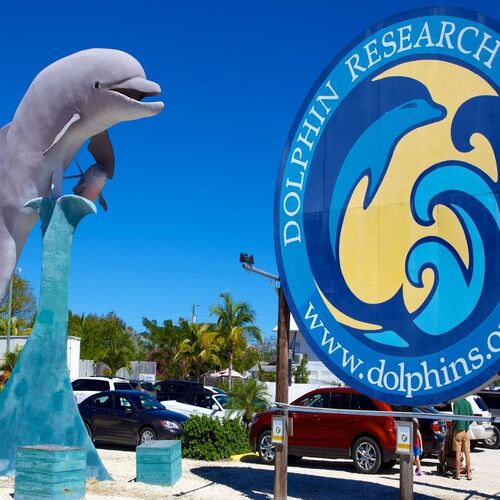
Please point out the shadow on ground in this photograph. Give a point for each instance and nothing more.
(116, 447)
(311, 463)
(258, 483)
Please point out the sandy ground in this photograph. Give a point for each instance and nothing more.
(312, 479)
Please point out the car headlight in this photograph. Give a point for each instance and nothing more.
(168, 424)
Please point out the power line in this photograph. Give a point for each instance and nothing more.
(166, 270)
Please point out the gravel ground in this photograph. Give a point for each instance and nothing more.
(312, 479)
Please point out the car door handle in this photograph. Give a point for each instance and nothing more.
(316, 418)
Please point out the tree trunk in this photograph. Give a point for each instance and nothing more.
(230, 368)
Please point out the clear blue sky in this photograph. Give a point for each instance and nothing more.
(193, 186)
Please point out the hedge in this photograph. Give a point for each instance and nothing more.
(206, 438)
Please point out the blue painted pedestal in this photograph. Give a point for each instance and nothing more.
(46, 471)
(159, 462)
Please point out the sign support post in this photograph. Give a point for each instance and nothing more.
(281, 460)
(404, 446)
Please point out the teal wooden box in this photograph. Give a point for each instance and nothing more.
(49, 471)
(159, 462)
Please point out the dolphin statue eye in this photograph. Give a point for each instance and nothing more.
(97, 84)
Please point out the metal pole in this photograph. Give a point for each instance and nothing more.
(281, 461)
(256, 270)
(9, 318)
(406, 469)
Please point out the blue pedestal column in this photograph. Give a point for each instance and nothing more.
(37, 406)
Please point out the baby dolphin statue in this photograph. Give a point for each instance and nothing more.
(91, 183)
(74, 99)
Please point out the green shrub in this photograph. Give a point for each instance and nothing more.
(205, 438)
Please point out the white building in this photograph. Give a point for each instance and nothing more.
(319, 373)
(73, 351)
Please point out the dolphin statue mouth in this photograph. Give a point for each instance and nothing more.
(134, 89)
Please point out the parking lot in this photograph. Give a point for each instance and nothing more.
(312, 479)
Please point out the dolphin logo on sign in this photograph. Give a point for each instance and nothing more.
(387, 218)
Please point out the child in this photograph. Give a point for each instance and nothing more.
(417, 447)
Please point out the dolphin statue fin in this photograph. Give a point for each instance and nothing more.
(102, 202)
(60, 135)
(102, 150)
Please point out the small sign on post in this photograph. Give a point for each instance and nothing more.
(147, 377)
(404, 438)
(404, 446)
(278, 428)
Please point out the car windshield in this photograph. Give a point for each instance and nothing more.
(318, 400)
(149, 403)
(122, 386)
(222, 399)
(482, 405)
(217, 390)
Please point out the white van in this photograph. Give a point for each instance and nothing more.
(86, 386)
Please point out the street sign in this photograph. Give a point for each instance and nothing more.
(404, 438)
(147, 377)
(387, 224)
(278, 429)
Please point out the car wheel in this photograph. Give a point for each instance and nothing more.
(89, 431)
(389, 464)
(147, 434)
(266, 448)
(366, 455)
(494, 441)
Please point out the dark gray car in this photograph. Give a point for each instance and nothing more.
(129, 417)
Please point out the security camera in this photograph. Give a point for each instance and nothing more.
(246, 259)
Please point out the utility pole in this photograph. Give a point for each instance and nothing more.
(193, 312)
(282, 375)
(282, 367)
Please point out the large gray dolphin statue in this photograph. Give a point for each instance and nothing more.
(74, 99)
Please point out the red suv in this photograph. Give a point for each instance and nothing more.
(369, 441)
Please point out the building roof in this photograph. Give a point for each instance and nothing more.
(293, 325)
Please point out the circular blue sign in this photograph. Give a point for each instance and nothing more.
(387, 209)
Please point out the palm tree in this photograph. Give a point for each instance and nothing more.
(115, 346)
(251, 396)
(234, 321)
(117, 352)
(16, 327)
(199, 349)
(161, 342)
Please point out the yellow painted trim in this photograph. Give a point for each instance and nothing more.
(237, 458)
